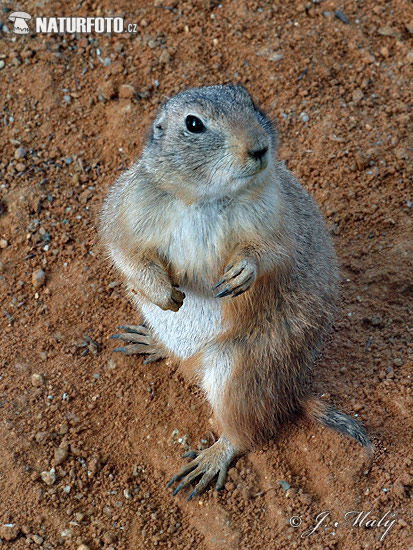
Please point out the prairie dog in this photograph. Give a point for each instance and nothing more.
(227, 258)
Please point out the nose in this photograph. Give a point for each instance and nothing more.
(258, 153)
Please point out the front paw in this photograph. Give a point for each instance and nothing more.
(237, 278)
(172, 300)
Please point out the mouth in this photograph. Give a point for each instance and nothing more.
(255, 170)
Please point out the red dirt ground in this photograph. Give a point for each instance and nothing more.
(114, 429)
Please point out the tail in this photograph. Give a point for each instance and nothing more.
(328, 416)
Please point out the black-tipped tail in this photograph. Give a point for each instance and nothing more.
(330, 417)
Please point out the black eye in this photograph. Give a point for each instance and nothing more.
(194, 124)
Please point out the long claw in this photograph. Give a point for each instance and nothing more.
(238, 273)
(224, 293)
(237, 279)
(188, 468)
(140, 342)
(205, 479)
(219, 284)
(222, 477)
(130, 337)
(152, 359)
(238, 293)
(208, 463)
(188, 479)
(139, 329)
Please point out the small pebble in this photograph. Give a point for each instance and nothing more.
(387, 31)
(37, 380)
(165, 57)
(41, 437)
(9, 532)
(342, 17)
(2, 64)
(20, 153)
(127, 91)
(20, 166)
(49, 477)
(67, 98)
(83, 547)
(285, 485)
(37, 539)
(4, 243)
(357, 95)
(108, 538)
(67, 533)
(38, 278)
(60, 455)
(304, 117)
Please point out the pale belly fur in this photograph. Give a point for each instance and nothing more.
(186, 331)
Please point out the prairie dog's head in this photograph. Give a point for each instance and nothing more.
(209, 142)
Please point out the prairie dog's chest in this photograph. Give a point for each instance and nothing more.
(195, 242)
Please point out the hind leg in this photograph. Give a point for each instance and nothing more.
(213, 366)
(140, 341)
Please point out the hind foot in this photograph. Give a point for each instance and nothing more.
(208, 463)
(140, 342)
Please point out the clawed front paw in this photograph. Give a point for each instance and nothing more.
(140, 341)
(237, 279)
(176, 300)
(207, 464)
(172, 300)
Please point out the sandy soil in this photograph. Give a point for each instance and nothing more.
(74, 110)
